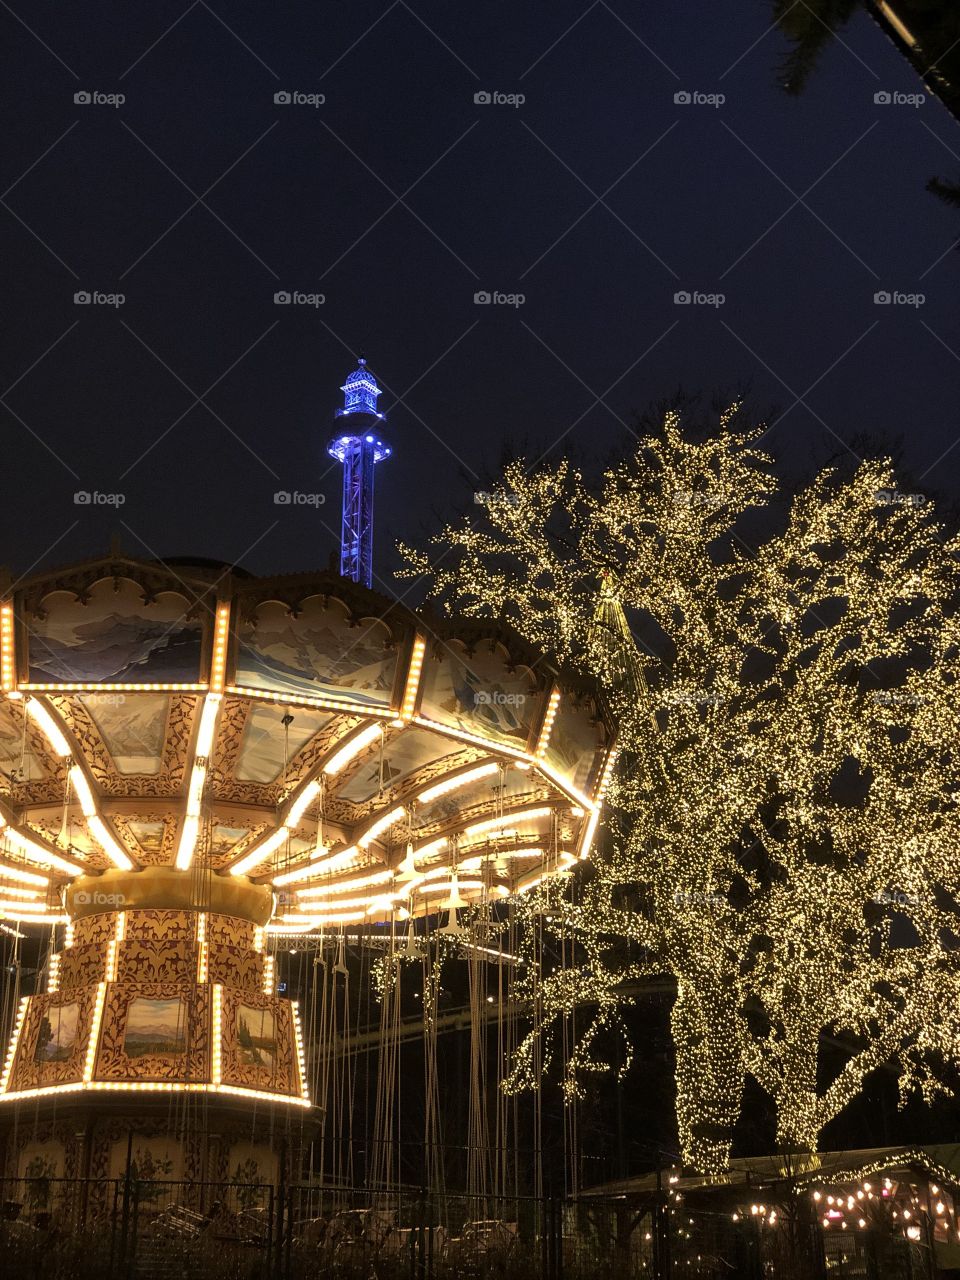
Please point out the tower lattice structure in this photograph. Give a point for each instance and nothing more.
(359, 448)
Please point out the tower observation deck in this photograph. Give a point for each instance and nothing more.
(359, 447)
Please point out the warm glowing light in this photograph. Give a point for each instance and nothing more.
(446, 785)
(507, 820)
(100, 832)
(383, 823)
(260, 852)
(302, 803)
(353, 748)
(48, 726)
(221, 636)
(92, 1042)
(8, 665)
(551, 714)
(413, 678)
(208, 724)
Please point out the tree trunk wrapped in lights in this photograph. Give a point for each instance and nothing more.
(784, 812)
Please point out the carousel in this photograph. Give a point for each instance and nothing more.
(196, 766)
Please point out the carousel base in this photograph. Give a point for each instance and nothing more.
(187, 1149)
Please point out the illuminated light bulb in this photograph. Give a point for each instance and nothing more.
(49, 727)
(382, 824)
(446, 785)
(342, 758)
(81, 788)
(98, 829)
(260, 852)
(208, 724)
(508, 820)
(303, 801)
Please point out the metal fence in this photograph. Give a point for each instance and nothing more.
(75, 1229)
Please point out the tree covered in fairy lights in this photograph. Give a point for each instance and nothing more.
(783, 816)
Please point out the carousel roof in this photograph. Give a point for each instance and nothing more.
(299, 732)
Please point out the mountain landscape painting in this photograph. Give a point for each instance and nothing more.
(155, 1027)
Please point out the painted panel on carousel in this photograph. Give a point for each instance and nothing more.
(132, 726)
(268, 744)
(116, 637)
(479, 694)
(404, 755)
(316, 653)
(53, 1041)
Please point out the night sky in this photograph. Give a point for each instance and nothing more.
(398, 199)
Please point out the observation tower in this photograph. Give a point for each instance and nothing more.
(358, 448)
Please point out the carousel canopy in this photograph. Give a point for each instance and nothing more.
(297, 749)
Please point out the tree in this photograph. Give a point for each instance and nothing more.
(743, 705)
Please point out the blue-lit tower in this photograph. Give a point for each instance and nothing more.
(359, 447)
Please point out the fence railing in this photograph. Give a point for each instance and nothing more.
(129, 1227)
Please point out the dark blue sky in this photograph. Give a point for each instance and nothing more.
(598, 199)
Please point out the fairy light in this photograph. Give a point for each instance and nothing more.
(20, 873)
(110, 969)
(550, 715)
(326, 702)
(221, 635)
(352, 748)
(383, 823)
(202, 949)
(269, 965)
(413, 678)
(154, 1086)
(507, 820)
(48, 727)
(304, 799)
(346, 886)
(319, 865)
(446, 785)
(216, 1046)
(18, 891)
(93, 1041)
(260, 852)
(35, 852)
(104, 838)
(208, 724)
(298, 1044)
(53, 977)
(8, 663)
(14, 1043)
(259, 934)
